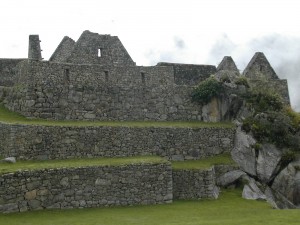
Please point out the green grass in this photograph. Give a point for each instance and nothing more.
(204, 163)
(38, 165)
(83, 162)
(7, 116)
(229, 209)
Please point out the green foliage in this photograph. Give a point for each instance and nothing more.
(274, 127)
(295, 117)
(257, 146)
(287, 157)
(225, 78)
(229, 209)
(264, 100)
(206, 90)
(242, 80)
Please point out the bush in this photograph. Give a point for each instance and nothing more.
(206, 90)
(287, 157)
(263, 101)
(242, 81)
(225, 78)
(295, 117)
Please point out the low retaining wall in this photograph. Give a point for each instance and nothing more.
(194, 184)
(59, 142)
(86, 187)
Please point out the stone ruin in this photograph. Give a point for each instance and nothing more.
(95, 79)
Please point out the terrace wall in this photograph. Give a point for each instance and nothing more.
(59, 142)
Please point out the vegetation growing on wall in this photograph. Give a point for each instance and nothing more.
(269, 119)
(273, 122)
(207, 89)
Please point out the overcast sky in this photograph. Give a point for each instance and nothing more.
(186, 31)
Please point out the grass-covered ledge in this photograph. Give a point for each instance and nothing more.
(75, 163)
(205, 163)
(10, 117)
(229, 209)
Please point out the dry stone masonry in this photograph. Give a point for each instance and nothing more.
(86, 187)
(94, 78)
(60, 142)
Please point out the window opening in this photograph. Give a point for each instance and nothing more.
(143, 77)
(106, 76)
(67, 74)
(99, 52)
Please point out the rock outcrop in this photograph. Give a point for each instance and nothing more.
(243, 152)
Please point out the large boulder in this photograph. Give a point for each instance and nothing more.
(9, 160)
(243, 152)
(287, 182)
(252, 191)
(230, 178)
(277, 200)
(267, 162)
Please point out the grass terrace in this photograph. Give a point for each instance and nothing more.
(85, 162)
(229, 209)
(205, 163)
(74, 163)
(10, 117)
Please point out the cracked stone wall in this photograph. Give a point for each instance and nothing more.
(9, 71)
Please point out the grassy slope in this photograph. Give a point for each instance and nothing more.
(229, 209)
(15, 118)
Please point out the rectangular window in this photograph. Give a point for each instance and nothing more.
(67, 75)
(143, 77)
(99, 52)
(106, 76)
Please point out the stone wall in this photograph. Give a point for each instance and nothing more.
(190, 74)
(194, 184)
(59, 142)
(63, 50)
(276, 85)
(8, 71)
(86, 187)
(93, 48)
(94, 92)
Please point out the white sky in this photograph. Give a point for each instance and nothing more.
(187, 31)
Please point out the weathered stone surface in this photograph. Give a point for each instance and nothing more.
(9, 160)
(252, 191)
(210, 111)
(9, 208)
(95, 186)
(267, 162)
(194, 184)
(25, 141)
(30, 195)
(230, 177)
(243, 153)
(277, 200)
(287, 182)
(271, 198)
